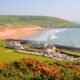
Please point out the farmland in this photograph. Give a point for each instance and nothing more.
(44, 21)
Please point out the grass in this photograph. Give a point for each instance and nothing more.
(75, 54)
(8, 55)
(45, 21)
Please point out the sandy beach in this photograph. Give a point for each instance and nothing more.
(19, 33)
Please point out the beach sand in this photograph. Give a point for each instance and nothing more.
(19, 33)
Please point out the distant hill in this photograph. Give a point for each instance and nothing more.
(44, 21)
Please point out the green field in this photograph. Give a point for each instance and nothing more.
(73, 53)
(44, 21)
(8, 55)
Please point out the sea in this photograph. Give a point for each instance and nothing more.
(60, 36)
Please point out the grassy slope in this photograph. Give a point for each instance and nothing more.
(76, 54)
(8, 55)
(37, 20)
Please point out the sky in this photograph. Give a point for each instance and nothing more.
(66, 9)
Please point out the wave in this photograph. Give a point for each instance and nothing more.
(52, 33)
(53, 37)
(48, 34)
(60, 30)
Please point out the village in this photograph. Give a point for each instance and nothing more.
(46, 50)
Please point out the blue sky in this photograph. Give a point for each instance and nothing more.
(66, 9)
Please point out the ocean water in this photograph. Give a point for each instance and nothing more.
(61, 36)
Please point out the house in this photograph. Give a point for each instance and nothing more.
(51, 51)
(14, 44)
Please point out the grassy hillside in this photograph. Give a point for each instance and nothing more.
(31, 69)
(9, 55)
(75, 54)
(20, 66)
(44, 21)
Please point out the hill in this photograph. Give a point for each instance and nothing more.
(20, 66)
(32, 69)
(44, 21)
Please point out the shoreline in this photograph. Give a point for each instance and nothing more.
(20, 33)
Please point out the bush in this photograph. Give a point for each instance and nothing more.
(31, 69)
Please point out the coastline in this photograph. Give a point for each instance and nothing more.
(20, 33)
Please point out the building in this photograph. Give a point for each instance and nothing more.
(14, 44)
(51, 51)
